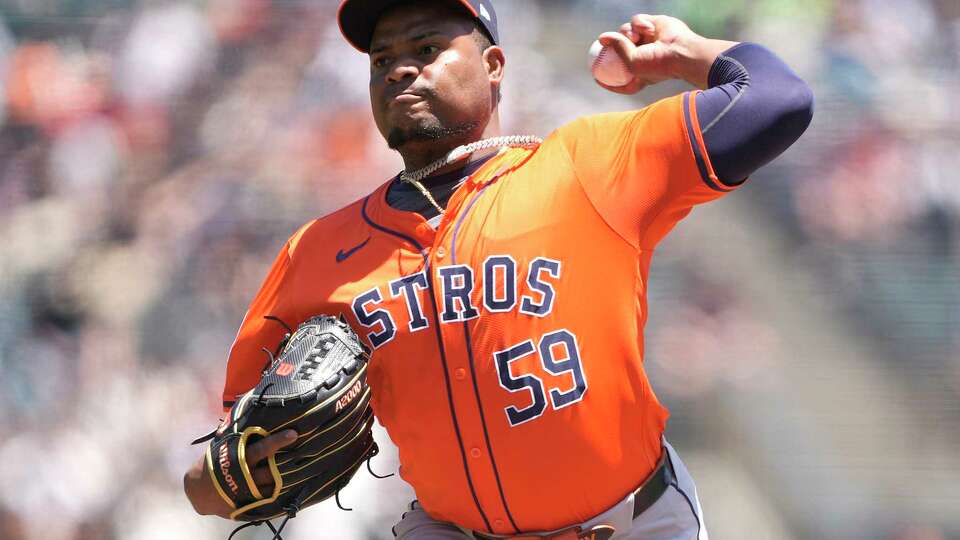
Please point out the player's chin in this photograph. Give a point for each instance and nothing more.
(401, 136)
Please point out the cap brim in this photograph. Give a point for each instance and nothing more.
(358, 18)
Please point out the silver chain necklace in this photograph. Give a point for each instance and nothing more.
(457, 154)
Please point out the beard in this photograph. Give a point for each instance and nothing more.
(428, 130)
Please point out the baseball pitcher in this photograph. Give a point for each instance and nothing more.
(500, 280)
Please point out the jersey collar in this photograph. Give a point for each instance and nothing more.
(379, 211)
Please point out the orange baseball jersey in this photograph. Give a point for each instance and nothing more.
(508, 341)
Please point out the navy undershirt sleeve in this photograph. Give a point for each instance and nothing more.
(754, 109)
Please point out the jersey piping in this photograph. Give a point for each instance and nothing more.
(697, 145)
(442, 350)
(468, 339)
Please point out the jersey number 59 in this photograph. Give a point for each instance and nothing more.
(562, 344)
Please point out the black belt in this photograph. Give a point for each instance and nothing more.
(643, 498)
(655, 486)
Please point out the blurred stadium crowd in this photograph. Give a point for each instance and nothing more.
(154, 156)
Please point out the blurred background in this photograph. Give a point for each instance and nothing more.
(154, 155)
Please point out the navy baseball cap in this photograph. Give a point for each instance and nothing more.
(358, 18)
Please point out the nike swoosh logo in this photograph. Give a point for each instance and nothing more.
(344, 255)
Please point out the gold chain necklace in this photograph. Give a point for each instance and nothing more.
(415, 178)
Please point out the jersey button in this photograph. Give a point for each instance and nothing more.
(441, 252)
(475, 452)
(460, 374)
(499, 523)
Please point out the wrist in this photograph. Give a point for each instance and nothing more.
(692, 57)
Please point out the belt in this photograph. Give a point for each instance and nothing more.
(643, 498)
(655, 486)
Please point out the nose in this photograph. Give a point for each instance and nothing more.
(402, 69)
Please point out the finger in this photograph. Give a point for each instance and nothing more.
(643, 23)
(262, 477)
(619, 43)
(643, 27)
(631, 88)
(265, 448)
(627, 30)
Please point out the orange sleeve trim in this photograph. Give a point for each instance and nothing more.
(707, 174)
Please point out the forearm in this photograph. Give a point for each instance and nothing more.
(753, 106)
(693, 56)
(754, 109)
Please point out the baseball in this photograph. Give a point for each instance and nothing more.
(607, 66)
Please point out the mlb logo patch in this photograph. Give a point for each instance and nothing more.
(484, 13)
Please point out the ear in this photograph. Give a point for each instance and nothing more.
(495, 61)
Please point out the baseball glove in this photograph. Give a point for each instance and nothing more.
(316, 386)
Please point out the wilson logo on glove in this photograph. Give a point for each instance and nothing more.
(225, 469)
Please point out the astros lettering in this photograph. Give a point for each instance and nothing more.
(457, 285)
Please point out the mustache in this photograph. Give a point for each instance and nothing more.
(425, 92)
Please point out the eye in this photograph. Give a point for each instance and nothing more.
(380, 61)
(428, 50)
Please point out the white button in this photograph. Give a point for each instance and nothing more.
(441, 252)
